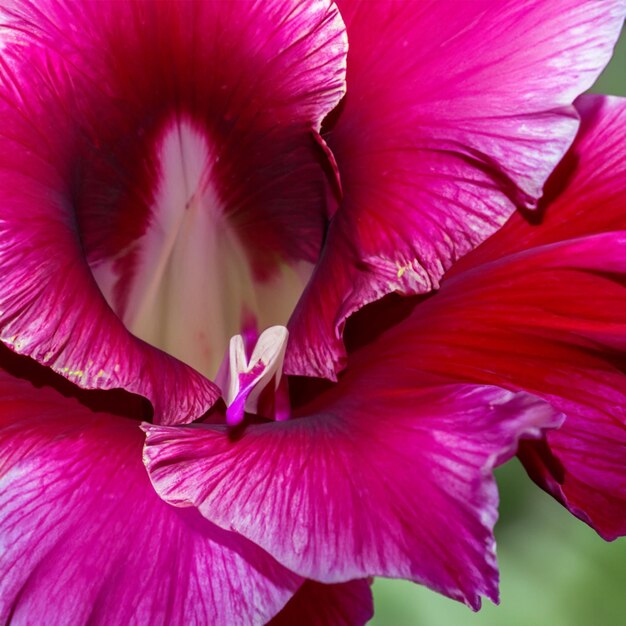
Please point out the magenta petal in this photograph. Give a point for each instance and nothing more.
(455, 113)
(52, 311)
(316, 604)
(550, 321)
(86, 540)
(92, 98)
(542, 308)
(381, 478)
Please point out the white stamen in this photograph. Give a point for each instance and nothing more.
(242, 380)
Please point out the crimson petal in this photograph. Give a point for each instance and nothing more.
(315, 604)
(542, 308)
(455, 113)
(582, 465)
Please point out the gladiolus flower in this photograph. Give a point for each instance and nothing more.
(192, 213)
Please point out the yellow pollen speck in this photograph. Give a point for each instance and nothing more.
(403, 268)
(15, 342)
(69, 373)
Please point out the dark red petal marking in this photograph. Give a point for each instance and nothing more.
(89, 95)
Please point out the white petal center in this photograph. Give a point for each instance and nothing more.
(193, 287)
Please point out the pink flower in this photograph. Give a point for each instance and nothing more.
(168, 196)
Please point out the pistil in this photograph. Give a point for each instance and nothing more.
(253, 382)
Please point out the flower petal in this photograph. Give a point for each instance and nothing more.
(315, 604)
(558, 332)
(455, 113)
(140, 140)
(85, 540)
(582, 465)
(379, 478)
(585, 194)
(542, 308)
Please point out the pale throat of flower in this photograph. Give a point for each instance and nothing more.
(189, 283)
(251, 376)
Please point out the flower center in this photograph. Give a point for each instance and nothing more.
(251, 376)
(188, 284)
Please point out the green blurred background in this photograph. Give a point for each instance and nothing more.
(555, 571)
